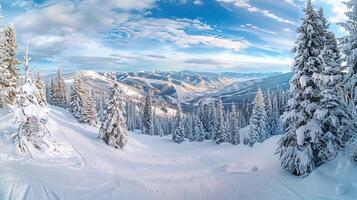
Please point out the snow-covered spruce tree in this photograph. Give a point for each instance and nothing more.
(301, 126)
(198, 130)
(9, 71)
(33, 134)
(147, 121)
(348, 45)
(59, 91)
(221, 133)
(178, 132)
(89, 115)
(337, 125)
(245, 113)
(40, 85)
(207, 115)
(77, 99)
(188, 124)
(234, 126)
(258, 121)
(113, 130)
(100, 105)
(273, 121)
(50, 90)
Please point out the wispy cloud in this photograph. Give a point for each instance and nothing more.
(247, 5)
(253, 28)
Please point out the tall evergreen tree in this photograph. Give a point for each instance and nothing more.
(89, 114)
(9, 71)
(198, 130)
(348, 46)
(296, 147)
(258, 121)
(77, 99)
(234, 126)
(40, 85)
(178, 132)
(147, 121)
(273, 121)
(59, 92)
(221, 133)
(113, 130)
(50, 90)
(336, 119)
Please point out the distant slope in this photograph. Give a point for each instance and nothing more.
(174, 86)
(247, 89)
(99, 82)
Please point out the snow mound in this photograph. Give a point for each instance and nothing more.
(341, 189)
(15, 145)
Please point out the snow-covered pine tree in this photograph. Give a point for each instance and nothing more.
(89, 115)
(295, 148)
(9, 71)
(245, 113)
(221, 133)
(348, 45)
(130, 114)
(100, 105)
(59, 92)
(336, 120)
(77, 99)
(273, 121)
(50, 90)
(147, 121)
(188, 124)
(40, 85)
(178, 132)
(113, 130)
(234, 126)
(33, 134)
(207, 116)
(258, 121)
(198, 130)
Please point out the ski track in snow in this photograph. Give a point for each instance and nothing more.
(153, 167)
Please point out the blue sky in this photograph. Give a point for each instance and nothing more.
(132, 35)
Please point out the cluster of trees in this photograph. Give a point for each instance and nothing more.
(319, 121)
(265, 119)
(211, 121)
(24, 94)
(107, 111)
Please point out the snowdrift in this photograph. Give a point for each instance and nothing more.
(156, 168)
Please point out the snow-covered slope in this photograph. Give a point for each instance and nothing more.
(239, 90)
(99, 82)
(156, 168)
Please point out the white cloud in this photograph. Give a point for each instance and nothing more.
(69, 33)
(291, 2)
(246, 4)
(253, 28)
(174, 31)
(338, 8)
(198, 2)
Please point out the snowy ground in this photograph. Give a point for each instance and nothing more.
(157, 168)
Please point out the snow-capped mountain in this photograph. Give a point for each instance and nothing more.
(174, 86)
(246, 89)
(185, 87)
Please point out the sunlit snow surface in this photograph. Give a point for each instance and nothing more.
(156, 168)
